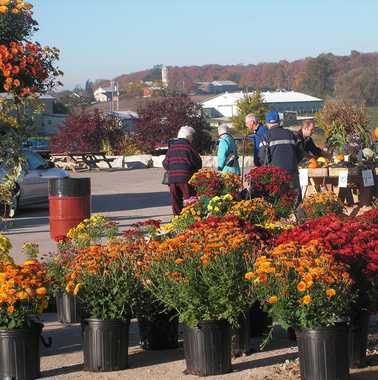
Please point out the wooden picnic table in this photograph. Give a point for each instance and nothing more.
(321, 179)
(80, 160)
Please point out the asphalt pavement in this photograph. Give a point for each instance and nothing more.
(125, 196)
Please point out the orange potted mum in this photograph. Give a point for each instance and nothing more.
(23, 296)
(199, 273)
(303, 286)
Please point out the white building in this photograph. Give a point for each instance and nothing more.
(225, 105)
(103, 95)
(164, 76)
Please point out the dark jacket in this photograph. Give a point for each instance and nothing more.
(261, 131)
(280, 147)
(308, 144)
(181, 161)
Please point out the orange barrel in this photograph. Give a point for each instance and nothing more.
(69, 204)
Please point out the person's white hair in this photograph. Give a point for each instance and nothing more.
(186, 132)
(251, 117)
(222, 129)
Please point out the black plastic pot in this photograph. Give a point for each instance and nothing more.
(19, 353)
(67, 308)
(259, 320)
(358, 339)
(105, 345)
(159, 333)
(241, 344)
(207, 348)
(323, 353)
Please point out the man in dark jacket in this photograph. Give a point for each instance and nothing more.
(304, 137)
(280, 147)
(181, 162)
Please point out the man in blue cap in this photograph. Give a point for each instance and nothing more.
(279, 147)
(258, 130)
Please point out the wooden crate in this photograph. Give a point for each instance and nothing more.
(318, 172)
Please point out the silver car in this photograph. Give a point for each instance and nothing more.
(33, 184)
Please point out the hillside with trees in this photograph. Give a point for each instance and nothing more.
(353, 78)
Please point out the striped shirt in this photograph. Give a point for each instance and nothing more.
(181, 161)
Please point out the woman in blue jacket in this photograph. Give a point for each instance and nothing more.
(228, 160)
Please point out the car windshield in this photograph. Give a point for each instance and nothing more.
(35, 161)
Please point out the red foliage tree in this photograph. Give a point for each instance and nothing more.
(87, 132)
(161, 119)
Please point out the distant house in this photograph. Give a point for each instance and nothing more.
(217, 87)
(126, 118)
(103, 95)
(225, 105)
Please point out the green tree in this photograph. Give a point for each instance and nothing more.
(249, 104)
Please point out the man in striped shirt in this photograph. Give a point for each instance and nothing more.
(181, 162)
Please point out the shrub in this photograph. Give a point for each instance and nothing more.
(160, 120)
(200, 272)
(103, 279)
(274, 185)
(23, 289)
(87, 132)
(302, 286)
(321, 204)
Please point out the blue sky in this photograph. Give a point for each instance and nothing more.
(106, 38)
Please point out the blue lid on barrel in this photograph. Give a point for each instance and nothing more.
(69, 187)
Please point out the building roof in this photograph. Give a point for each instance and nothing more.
(125, 114)
(269, 97)
(224, 83)
(104, 90)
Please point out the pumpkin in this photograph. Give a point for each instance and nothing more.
(340, 157)
(312, 164)
(376, 132)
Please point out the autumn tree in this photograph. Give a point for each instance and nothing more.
(250, 103)
(159, 120)
(88, 132)
(359, 85)
(317, 77)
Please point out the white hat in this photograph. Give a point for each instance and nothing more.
(222, 129)
(186, 132)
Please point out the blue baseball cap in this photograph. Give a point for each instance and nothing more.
(272, 117)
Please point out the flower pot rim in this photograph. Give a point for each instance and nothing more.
(210, 322)
(340, 326)
(16, 331)
(107, 320)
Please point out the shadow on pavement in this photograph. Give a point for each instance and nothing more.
(62, 370)
(265, 362)
(150, 358)
(129, 201)
(364, 375)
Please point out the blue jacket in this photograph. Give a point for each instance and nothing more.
(256, 137)
(226, 148)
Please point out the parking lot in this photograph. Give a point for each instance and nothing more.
(125, 196)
